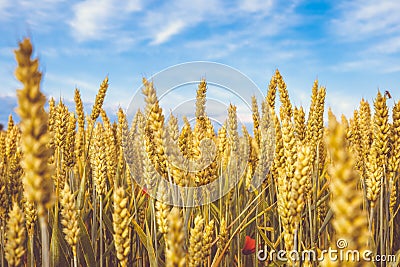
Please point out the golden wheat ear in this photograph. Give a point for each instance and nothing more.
(121, 222)
(34, 135)
(98, 103)
(350, 220)
(195, 242)
(175, 254)
(37, 181)
(15, 237)
(69, 221)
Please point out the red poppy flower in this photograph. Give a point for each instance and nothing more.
(249, 246)
(144, 190)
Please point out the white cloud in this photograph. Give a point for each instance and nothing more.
(387, 46)
(372, 31)
(123, 43)
(94, 19)
(64, 85)
(6, 51)
(357, 64)
(377, 63)
(91, 16)
(132, 5)
(4, 4)
(341, 103)
(265, 17)
(217, 46)
(170, 30)
(8, 95)
(158, 24)
(172, 17)
(256, 5)
(251, 31)
(364, 19)
(38, 16)
(8, 104)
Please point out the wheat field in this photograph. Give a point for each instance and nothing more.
(69, 192)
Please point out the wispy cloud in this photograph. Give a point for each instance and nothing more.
(4, 4)
(217, 46)
(91, 19)
(335, 101)
(176, 16)
(352, 65)
(37, 16)
(164, 35)
(367, 19)
(71, 83)
(256, 5)
(95, 19)
(172, 17)
(371, 31)
(387, 45)
(155, 25)
(8, 105)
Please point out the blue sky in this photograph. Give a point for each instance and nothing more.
(352, 47)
